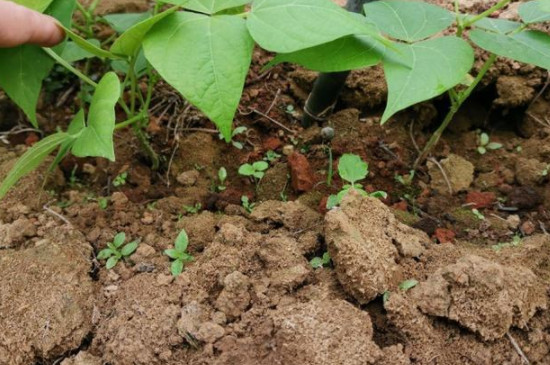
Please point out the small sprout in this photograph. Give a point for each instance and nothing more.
(236, 132)
(271, 156)
(485, 144)
(478, 214)
(320, 262)
(247, 205)
(405, 180)
(103, 202)
(222, 176)
(193, 209)
(256, 171)
(544, 172)
(120, 179)
(352, 168)
(516, 241)
(115, 252)
(408, 284)
(178, 254)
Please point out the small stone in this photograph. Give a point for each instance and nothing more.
(219, 318)
(479, 200)
(513, 221)
(402, 206)
(144, 251)
(272, 144)
(119, 200)
(301, 173)
(528, 228)
(444, 235)
(147, 218)
(529, 171)
(288, 150)
(188, 178)
(88, 168)
(210, 332)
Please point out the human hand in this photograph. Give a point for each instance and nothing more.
(19, 25)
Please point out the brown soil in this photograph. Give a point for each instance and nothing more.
(250, 296)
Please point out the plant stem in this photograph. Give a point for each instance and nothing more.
(69, 67)
(455, 106)
(486, 13)
(330, 172)
(131, 121)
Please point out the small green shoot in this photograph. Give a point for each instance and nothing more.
(478, 214)
(386, 296)
(247, 205)
(352, 168)
(320, 262)
(516, 241)
(544, 172)
(236, 132)
(408, 284)
(115, 251)
(485, 144)
(103, 202)
(271, 156)
(192, 209)
(405, 180)
(255, 171)
(222, 176)
(120, 179)
(178, 253)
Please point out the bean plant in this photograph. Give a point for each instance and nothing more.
(203, 48)
(179, 254)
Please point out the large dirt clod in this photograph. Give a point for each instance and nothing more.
(364, 240)
(46, 298)
(482, 295)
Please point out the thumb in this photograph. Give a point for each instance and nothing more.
(19, 25)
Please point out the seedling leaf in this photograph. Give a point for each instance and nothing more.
(347, 53)
(494, 146)
(97, 138)
(260, 165)
(408, 20)
(408, 284)
(210, 73)
(130, 41)
(124, 21)
(247, 170)
(129, 248)
(104, 254)
(182, 241)
(31, 160)
(286, 26)
(535, 11)
(173, 254)
(88, 46)
(424, 70)
(111, 262)
(529, 46)
(119, 239)
(352, 168)
(38, 5)
(484, 139)
(177, 267)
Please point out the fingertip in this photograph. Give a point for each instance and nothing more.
(51, 34)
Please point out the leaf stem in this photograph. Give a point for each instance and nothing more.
(486, 13)
(69, 67)
(457, 102)
(137, 118)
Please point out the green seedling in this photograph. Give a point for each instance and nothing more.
(408, 284)
(192, 209)
(120, 179)
(405, 180)
(255, 171)
(236, 132)
(320, 262)
(545, 171)
(484, 144)
(352, 168)
(222, 176)
(386, 296)
(103, 202)
(478, 214)
(247, 205)
(179, 254)
(115, 250)
(271, 156)
(516, 241)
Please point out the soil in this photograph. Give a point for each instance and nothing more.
(250, 295)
